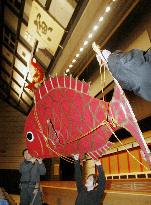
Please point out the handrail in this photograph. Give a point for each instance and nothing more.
(132, 175)
(135, 185)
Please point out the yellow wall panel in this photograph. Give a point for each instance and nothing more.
(123, 162)
(134, 165)
(105, 164)
(114, 164)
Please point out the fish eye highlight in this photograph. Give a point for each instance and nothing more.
(30, 136)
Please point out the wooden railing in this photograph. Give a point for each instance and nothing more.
(132, 185)
(135, 185)
(133, 175)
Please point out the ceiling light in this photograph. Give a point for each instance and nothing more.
(81, 49)
(90, 35)
(85, 43)
(74, 60)
(67, 71)
(101, 18)
(108, 8)
(95, 27)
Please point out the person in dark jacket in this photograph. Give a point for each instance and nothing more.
(30, 170)
(92, 191)
(132, 69)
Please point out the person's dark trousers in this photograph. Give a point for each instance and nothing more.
(28, 198)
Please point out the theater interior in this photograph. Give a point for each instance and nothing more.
(58, 35)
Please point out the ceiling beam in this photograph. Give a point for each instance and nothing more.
(71, 25)
(1, 29)
(7, 101)
(90, 16)
(47, 4)
(20, 16)
(102, 41)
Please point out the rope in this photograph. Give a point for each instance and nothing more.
(103, 77)
(72, 161)
(89, 132)
(125, 147)
(104, 64)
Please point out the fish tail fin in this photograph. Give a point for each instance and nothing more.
(121, 115)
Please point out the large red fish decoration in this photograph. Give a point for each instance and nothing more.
(66, 120)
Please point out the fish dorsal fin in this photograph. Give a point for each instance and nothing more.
(67, 82)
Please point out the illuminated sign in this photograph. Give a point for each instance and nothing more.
(44, 28)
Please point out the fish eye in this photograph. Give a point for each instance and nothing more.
(30, 136)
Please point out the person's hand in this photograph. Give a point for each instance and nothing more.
(105, 55)
(39, 160)
(35, 191)
(33, 160)
(97, 162)
(75, 156)
(142, 155)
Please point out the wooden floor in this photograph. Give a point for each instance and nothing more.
(117, 192)
(111, 198)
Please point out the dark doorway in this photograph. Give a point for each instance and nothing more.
(66, 170)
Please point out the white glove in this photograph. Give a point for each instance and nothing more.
(105, 54)
(97, 162)
(76, 156)
(39, 160)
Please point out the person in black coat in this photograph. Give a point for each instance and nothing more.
(92, 191)
(132, 69)
(30, 170)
